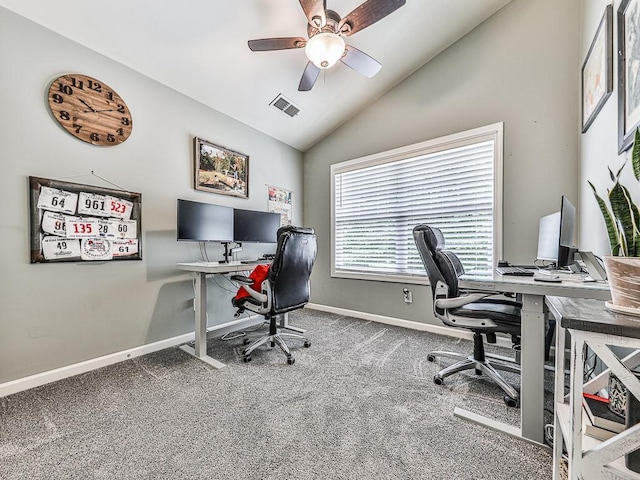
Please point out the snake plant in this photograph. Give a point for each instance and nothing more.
(622, 219)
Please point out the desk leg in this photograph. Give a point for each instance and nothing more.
(531, 378)
(558, 439)
(284, 323)
(200, 346)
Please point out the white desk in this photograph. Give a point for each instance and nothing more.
(203, 269)
(532, 342)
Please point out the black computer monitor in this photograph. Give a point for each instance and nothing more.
(252, 226)
(556, 236)
(204, 222)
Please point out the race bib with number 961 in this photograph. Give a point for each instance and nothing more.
(93, 204)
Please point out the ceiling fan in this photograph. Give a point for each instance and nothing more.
(326, 45)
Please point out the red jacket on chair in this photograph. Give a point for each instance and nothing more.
(258, 275)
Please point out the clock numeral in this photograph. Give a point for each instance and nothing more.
(110, 95)
(120, 132)
(65, 115)
(95, 86)
(57, 98)
(77, 83)
(95, 137)
(110, 138)
(66, 89)
(121, 108)
(77, 127)
(125, 121)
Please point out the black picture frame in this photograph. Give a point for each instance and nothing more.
(220, 170)
(124, 243)
(628, 72)
(597, 70)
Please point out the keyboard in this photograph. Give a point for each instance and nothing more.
(518, 271)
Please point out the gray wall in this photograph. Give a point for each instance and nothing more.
(521, 68)
(599, 144)
(57, 315)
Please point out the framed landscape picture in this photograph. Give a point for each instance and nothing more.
(628, 72)
(597, 70)
(220, 170)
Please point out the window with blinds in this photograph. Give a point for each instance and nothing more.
(450, 183)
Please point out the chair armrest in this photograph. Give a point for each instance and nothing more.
(242, 279)
(447, 303)
(261, 297)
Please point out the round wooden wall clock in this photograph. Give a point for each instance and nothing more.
(90, 110)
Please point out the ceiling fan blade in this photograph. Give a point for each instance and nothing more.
(309, 77)
(360, 62)
(284, 43)
(367, 14)
(315, 12)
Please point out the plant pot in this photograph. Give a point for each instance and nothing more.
(623, 274)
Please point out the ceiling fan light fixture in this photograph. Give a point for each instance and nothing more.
(324, 49)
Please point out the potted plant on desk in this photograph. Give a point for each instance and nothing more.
(622, 218)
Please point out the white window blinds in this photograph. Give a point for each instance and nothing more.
(378, 201)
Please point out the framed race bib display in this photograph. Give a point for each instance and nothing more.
(72, 222)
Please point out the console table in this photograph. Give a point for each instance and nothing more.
(590, 324)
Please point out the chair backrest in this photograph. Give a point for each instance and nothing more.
(291, 268)
(442, 266)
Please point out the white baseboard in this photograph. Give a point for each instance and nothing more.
(399, 322)
(32, 381)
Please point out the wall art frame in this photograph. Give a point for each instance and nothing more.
(597, 70)
(628, 72)
(73, 222)
(279, 201)
(220, 170)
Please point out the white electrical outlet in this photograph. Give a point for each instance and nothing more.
(408, 295)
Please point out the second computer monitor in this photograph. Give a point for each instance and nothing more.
(556, 236)
(255, 227)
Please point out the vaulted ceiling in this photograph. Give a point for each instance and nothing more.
(199, 48)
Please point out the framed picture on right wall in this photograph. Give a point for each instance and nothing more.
(628, 72)
(597, 70)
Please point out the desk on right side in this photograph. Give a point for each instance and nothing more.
(534, 314)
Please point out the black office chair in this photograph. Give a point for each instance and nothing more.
(285, 289)
(484, 313)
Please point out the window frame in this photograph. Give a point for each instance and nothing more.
(493, 132)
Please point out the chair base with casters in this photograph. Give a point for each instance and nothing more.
(275, 337)
(480, 362)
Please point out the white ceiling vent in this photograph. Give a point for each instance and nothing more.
(286, 105)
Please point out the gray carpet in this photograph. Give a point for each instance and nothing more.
(359, 404)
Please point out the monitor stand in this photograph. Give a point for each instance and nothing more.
(227, 252)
